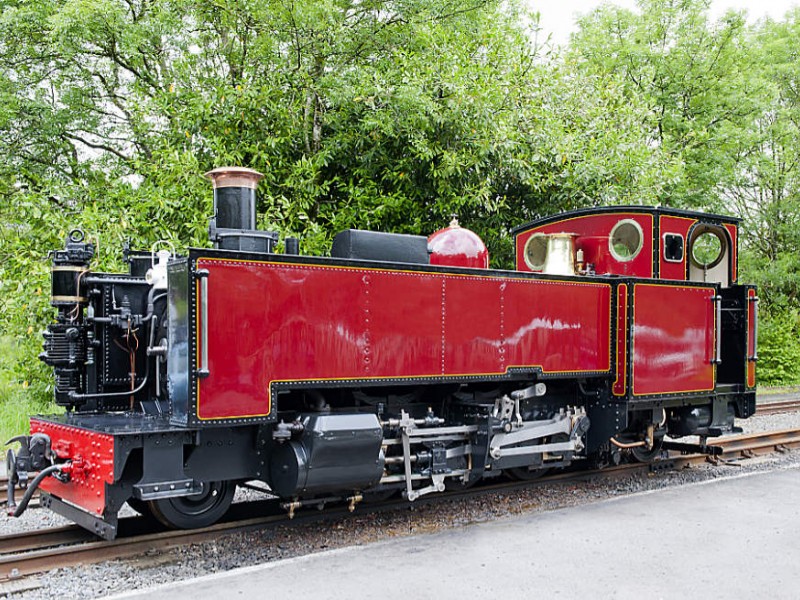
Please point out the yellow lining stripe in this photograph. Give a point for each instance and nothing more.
(633, 341)
(623, 339)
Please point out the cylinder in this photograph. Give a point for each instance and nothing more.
(335, 452)
(66, 287)
(69, 269)
(235, 197)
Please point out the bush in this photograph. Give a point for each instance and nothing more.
(779, 348)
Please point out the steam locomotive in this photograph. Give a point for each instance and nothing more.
(400, 363)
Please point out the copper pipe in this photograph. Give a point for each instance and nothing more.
(623, 445)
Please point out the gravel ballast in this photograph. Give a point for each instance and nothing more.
(289, 540)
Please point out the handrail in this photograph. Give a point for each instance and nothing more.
(717, 360)
(754, 300)
(202, 301)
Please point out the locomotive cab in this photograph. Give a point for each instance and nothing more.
(635, 241)
(683, 376)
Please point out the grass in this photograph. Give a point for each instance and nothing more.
(18, 397)
(764, 390)
(14, 413)
(16, 406)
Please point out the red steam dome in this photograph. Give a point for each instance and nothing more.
(455, 246)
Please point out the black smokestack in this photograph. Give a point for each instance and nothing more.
(234, 224)
(235, 197)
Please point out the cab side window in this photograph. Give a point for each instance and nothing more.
(673, 247)
(709, 253)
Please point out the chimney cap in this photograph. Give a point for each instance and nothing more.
(222, 177)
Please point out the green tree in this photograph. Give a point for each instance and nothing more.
(766, 159)
(694, 76)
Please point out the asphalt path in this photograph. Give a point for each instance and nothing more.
(731, 538)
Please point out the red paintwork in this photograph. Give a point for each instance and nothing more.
(92, 456)
(592, 233)
(669, 354)
(620, 383)
(455, 246)
(680, 226)
(295, 322)
(751, 338)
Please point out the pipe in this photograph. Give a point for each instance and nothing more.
(16, 511)
(76, 396)
(585, 391)
(151, 300)
(624, 445)
(113, 280)
(11, 472)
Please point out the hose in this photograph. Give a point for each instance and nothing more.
(34, 485)
(11, 472)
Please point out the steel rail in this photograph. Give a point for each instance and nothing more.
(4, 493)
(43, 538)
(774, 408)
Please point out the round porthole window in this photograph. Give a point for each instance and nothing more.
(535, 252)
(626, 240)
(707, 248)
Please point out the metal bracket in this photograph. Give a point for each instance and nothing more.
(105, 527)
(407, 427)
(500, 444)
(437, 485)
(166, 489)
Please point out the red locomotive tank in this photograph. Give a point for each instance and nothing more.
(455, 246)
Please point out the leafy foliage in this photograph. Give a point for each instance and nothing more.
(20, 397)
(779, 348)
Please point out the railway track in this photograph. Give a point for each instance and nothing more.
(774, 408)
(39, 551)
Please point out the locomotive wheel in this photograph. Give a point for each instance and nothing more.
(375, 497)
(199, 510)
(644, 455)
(526, 474)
